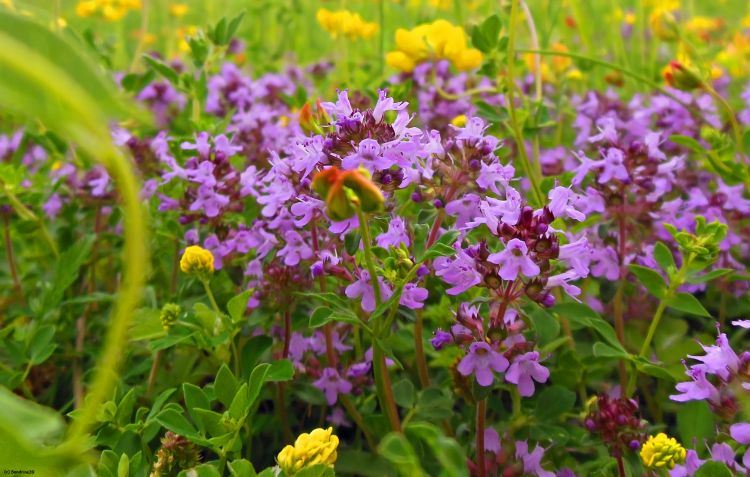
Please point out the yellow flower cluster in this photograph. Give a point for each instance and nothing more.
(110, 10)
(317, 447)
(661, 451)
(345, 23)
(433, 41)
(197, 261)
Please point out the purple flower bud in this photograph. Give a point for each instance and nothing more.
(548, 300)
(634, 444)
(416, 196)
(438, 203)
(475, 164)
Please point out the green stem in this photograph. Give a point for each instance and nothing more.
(611, 66)
(364, 228)
(382, 379)
(515, 127)
(424, 375)
(210, 295)
(27, 214)
(736, 131)
(135, 260)
(675, 282)
(141, 37)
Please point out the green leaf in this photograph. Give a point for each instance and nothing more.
(257, 379)
(162, 68)
(663, 257)
(237, 305)
(404, 394)
(146, 325)
(650, 279)
(397, 449)
(443, 247)
(232, 27)
(647, 367)
(240, 404)
(203, 470)
(67, 269)
(280, 370)
(688, 142)
(712, 275)
(195, 398)
(713, 469)
(583, 316)
(447, 451)
(351, 242)
(546, 325)
(174, 421)
(40, 345)
(603, 350)
(225, 385)
(484, 37)
(553, 402)
(695, 421)
(688, 303)
(319, 470)
(241, 468)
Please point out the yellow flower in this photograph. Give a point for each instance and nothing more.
(87, 8)
(459, 121)
(183, 33)
(317, 447)
(178, 9)
(433, 41)
(110, 10)
(661, 451)
(197, 261)
(345, 23)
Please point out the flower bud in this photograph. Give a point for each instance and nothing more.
(664, 25)
(682, 76)
(169, 314)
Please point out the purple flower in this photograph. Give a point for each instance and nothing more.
(578, 255)
(560, 206)
(742, 323)
(296, 249)
(395, 236)
(691, 465)
(413, 296)
(363, 288)
(491, 174)
(724, 453)
(696, 390)
(524, 370)
(741, 433)
(613, 166)
(481, 361)
(440, 339)
(532, 462)
(332, 385)
(201, 145)
(461, 272)
(720, 359)
(491, 441)
(514, 260)
(52, 206)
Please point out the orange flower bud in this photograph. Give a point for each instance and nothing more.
(346, 191)
(682, 76)
(370, 197)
